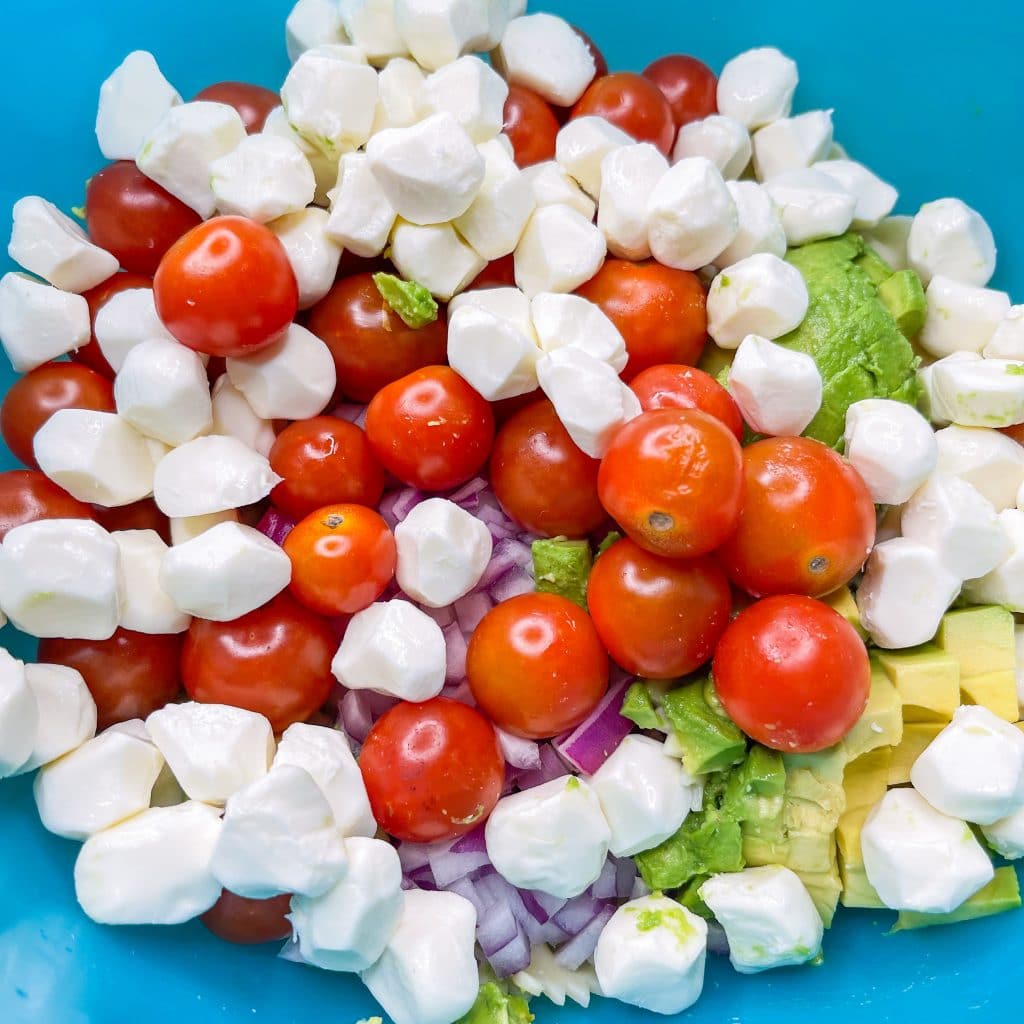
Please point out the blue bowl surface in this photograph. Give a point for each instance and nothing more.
(927, 95)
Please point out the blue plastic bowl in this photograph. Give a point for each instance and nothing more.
(925, 97)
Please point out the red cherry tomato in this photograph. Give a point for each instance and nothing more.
(343, 557)
(226, 288)
(430, 429)
(600, 64)
(542, 480)
(659, 618)
(34, 398)
(247, 922)
(91, 354)
(674, 386)
(139, 515)
(129, 675)
(252, 102)
(689, 86)
(1015, 433)
(371, 344)
(432, 771)
(536, 665)
(660, 311)
(792, 673)
(132, 217)
(276, 661)
(673, 480)
(808, 522)
(499, 273)
(531, 126)
(632, 103)
(27, 496)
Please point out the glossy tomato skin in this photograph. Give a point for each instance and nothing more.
(536, 665)
(133, 218)
(247, 922)
(252, 102)
(226, 288)
(660, 312)
(275, 660)
(343, 557)
(673, 480)
(26, 496)
(324, 461)
(531, 126)
(808, 522)
(139, 515)
(31, 400)
(372, 346)
(432, 771)
(792, 673)
(430, 429)
(130, 675)
(541, 479)
(90, 354)
(659, 618)
(689, 85)
(499, 273)
(634, 104)
(674, 386)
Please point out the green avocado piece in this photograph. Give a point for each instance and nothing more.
(716, 361)
(981, 639)
(409, 299)
(927, 680)
(850, 334)
(710, 740)
(903, 295)
(495, 1006)
(762, 775)
(689, 897)
(873, 265)
(561, 567)
(881, 724)
(1001, 894)
(639, 708)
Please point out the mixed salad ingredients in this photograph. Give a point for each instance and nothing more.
(509, 528)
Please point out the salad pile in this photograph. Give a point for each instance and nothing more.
(508, 528)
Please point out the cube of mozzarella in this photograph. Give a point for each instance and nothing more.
(499, 14)
(960, 317)
(361, 216)
(211, 474)
(777, 389)
(327, 756)
(950, 239)
(325, 167)
(571, 321)
(153, 868)
(145, 606)
(233, 416)
(812, 205)
(188, 528)
(51, 245)
(392, 648)
(507, 303)
(875, 198)
(436, 32)
(263, 178)
(756, 87)
(651, 954)
(401, 99)
(1005, 583)
(722, 140)
(132, 99)
(628, 176)
(348, 927)
(312, 253)
(980, 392)
(19, 715)
(889, 239)
(435, 256)
(691, 215)
(1007, 341)
(180, 150)
(494, 355)
(1006, 836)
(39, 323)
(545, 53)
(61, 578)
(370, 24)
(552, 186)
(442, 552)
(212, 749)
(472, 92)
(905, 591)
(427, 973)
(313, 23)
(991, 461)
(917, 858)
(559, 250)
(227, 571)
(760, 226)
(792, 143)
(66, 714)
(582, 145)
(125, 320)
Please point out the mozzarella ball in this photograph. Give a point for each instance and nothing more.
(950, 239)
(66, 714)
(724, 141)
(38, 322)
(760, 295)
(756, 87)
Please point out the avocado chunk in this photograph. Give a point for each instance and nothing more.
(927, 680)
(409, 299)
(716, 361)
(903, 296)
(857, 890)
(710, 741)
(980, 639)
(916, 736)
(495, 1006)
(866, 779)
(842, 601)
(881, 724)
(996, 691)
(562, 567)
(689, 897)
(639, 708)
(824, 888)
(1000, 895)
(873, 265)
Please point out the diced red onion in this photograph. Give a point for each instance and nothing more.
(356, 718)
(408, 883)
(460, 692)
(625, 878)
(442, 616)
(469, 610)
(396, 505)
(467, 889)
(468, 491)
(551, 767)
(605, 888)
(353, 413)
(497, 926)
(512, 584)
(578, 913)
(508, 554)
(472, 842)
(580, 949)
(518, 752)
(415, 855)
(275, 525)
(640, 888)
(455, 648)
(551, 904)
(450, 866)
(595, 739)
(549, 933)
(513, 957)
(533, 906)
(718, 943)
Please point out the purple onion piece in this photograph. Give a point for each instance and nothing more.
(595, 739)
(513, 957)
(471, 842)
(468, 490)
(275, 525)
(465, 888)
(512, 584)
(450, 867)
(551, 904)
(551, 767)
(469, 610)
(605, 888)
(533, 906)
(442, 616)
(455, 653)
(353, 413)
(355, 714)
(625, 878)
(717, 941)
(578, 913)
(519, 753)
(496, 928)
(580, 948)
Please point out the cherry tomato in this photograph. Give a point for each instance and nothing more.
(371, 344)
(226, 288)
(531, 126)
(129, 675)
(252, 102)
(132, 217)
(632, 103)
(432, 771)
(674, 386)
(1015, 433)
(792, 673)
(499, 273)
(808, 522)
(505, 408)
(343, 557)
(248, 922)
(275, 660)
(430, 429)
(600, 64)
(27, 496)
(90, 354)
(139, 515)
(542, 480)
(34, 398)
(324, 461)
(673, 480)
(689, 86)
(659, 618)
(536, 665)
(660, 311)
